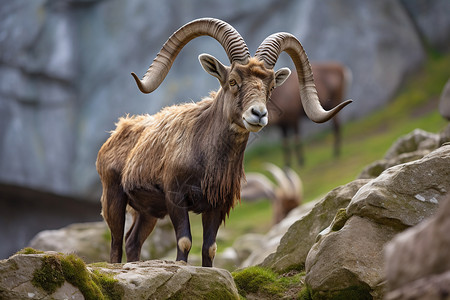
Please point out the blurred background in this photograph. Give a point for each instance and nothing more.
(65, 80)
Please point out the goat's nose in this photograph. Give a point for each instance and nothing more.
(260, 113)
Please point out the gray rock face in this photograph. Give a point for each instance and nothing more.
(431, 20)
(296, 243)
(349, 258)
(417, 264)
(140, 280)
(65, 69)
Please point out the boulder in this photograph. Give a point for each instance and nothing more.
(295, 244)
(91, 241)
(51, 275)
(347, 258)
(347, 263)
(417, 264)
(409, 147)
(404, 195)
(444, 101)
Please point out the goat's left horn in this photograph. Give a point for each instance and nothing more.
(269, 51)
(232, 42)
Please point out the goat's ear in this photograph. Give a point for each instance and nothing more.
(213, 67)
(281, 75)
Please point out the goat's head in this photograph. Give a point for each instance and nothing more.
(249, 81)
(246, 89)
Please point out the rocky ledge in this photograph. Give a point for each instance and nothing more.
(51, 275)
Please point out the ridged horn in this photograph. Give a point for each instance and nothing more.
(286, 188)
(225, 34)
(269, 51)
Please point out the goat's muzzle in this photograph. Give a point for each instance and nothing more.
(255, 118)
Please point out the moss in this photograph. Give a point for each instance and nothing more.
(29, 250)
(76, 273)
(56, 269)
(350, 293)
(50, 276)
(261, 281)
(300, 267)
(339, 220)
(108, 284)
(305, 293)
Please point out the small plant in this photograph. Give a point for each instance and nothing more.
(29, 250)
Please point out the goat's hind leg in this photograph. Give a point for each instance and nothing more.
(114, 203)
(142, 226)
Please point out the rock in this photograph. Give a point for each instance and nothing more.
(404, 195)
(349, 260)
(444, 102)
(258, 250)
(416, 140)
(376, 168)
(417, 264)
(296, 243)
(248, 243)
(410, 147)
(91, 241)
(55, 276)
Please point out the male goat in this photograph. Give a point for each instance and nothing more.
(189, 157)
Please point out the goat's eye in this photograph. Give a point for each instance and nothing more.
(232, 82)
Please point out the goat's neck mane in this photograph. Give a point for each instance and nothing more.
(224, 154)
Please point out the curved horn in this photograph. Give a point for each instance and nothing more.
(286, 188)
(225, 34)
(295, 180)
(269, 51)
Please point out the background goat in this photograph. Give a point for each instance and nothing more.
(190, 157)
(285, 195)
(332, 81)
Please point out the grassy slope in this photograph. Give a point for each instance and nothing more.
(364, 141)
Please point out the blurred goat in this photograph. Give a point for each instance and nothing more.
(332, 81)
(285, 196)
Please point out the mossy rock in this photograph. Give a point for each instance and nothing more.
(262, 283)
(52, 275)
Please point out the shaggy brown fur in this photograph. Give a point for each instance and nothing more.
(186, 157)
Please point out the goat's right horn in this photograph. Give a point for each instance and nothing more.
(269, 51)
(225, 34)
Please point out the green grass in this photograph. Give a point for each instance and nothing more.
(363, 142)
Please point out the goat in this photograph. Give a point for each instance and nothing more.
(286, 195)
(332, 80)
(189, 157)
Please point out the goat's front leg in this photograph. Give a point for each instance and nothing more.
(179, 216)
(211, 221)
